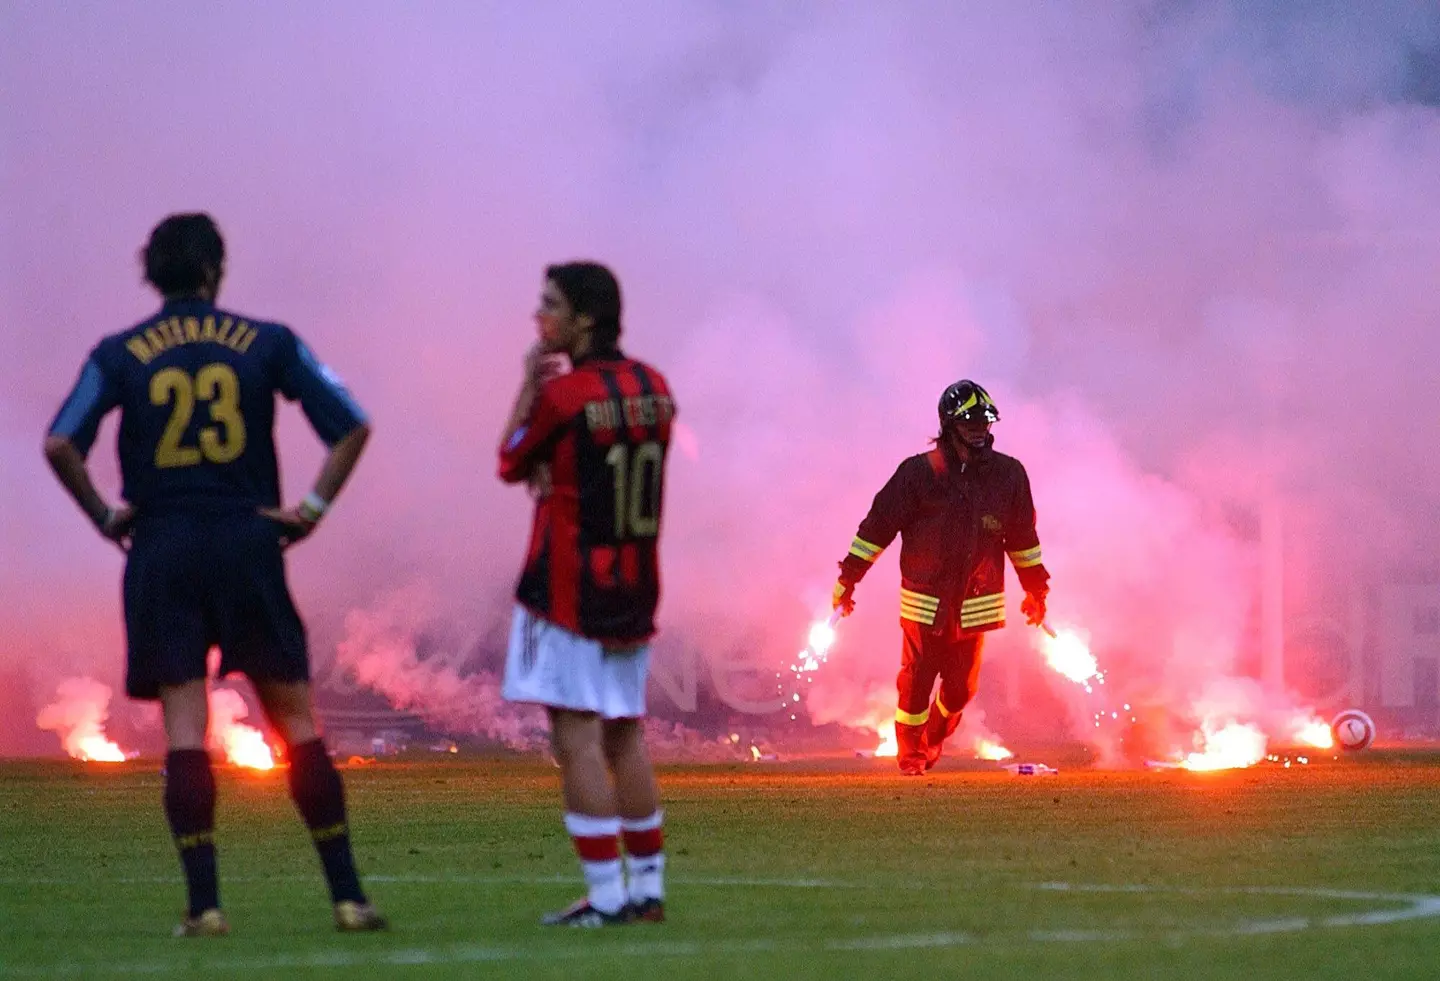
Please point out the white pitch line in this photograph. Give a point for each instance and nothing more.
(1414, 906)
(902, 941)
(464, 880)
(571, 879)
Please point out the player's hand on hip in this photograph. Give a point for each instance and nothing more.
(118, 524)
(1033, 606)
(843, 597)
(295, 526)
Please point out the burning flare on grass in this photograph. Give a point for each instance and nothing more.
(1231, 747)
(989, 749)
(78, 717)
(888, 745)
(1315, 732)
(243, 745)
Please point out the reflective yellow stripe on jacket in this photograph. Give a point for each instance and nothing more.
(1026, 558)
(980, 611)
(918, 607)
(862, 549)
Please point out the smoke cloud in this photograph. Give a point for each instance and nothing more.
(1188, 247)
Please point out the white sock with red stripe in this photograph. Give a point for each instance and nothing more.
(597, 842)
(645, 856)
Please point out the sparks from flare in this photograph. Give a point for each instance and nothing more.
(819, 639)
(1315, 732)
(822, 637)
(1230, 747)
(1068, 654)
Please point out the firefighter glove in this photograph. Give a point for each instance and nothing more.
(1033, 606)
(843, 598)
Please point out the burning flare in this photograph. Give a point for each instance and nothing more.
(243, 745)
(818, 642)
(78, 718)
(1231, 747)
(1315, 732)
(822, 636)
(1068, 654)
(989, 749)
(888, 745)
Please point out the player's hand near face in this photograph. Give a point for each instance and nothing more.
(542, 365)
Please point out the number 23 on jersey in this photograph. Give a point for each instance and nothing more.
(215, 385)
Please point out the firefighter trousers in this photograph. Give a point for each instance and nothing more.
(923, 725)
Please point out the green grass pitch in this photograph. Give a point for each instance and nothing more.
(795, 870)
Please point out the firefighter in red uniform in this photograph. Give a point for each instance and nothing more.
(958, 509)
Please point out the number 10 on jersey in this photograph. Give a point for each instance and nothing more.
(638, 472)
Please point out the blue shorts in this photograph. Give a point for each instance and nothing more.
(194, 581)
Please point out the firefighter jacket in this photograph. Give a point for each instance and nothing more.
(956, 521)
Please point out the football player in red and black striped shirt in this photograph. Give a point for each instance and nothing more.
(592, 443)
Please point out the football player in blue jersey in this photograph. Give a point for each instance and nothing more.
(202, 524)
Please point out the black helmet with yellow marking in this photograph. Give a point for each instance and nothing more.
(968, 408)
(966, 401)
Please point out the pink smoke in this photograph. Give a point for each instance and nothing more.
(380, 652)
(1188, 249)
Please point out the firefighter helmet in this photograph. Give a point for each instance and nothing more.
(966, 410)
(966, 401)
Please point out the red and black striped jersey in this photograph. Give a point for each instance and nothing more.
(603, 431)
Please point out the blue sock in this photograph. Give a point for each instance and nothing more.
(190, 808)
(320, 797)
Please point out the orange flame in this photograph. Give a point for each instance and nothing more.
(1231, 747)
(95, 749)
(78, 718)
(1315, 732)
(989, 749)
(243, 745)
(888, 745)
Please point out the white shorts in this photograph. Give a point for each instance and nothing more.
(549, 665)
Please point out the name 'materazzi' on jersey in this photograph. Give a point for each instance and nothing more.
(604, 432)
(196, 387)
